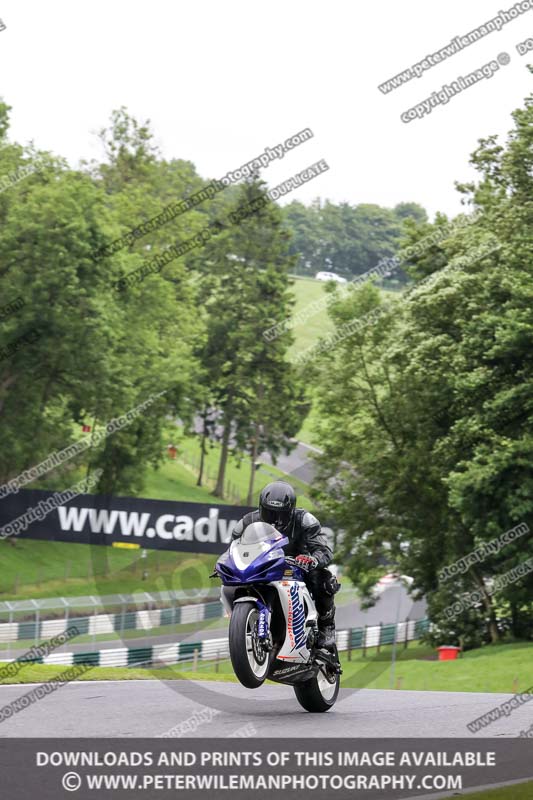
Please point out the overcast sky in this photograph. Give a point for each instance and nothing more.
(221, 80)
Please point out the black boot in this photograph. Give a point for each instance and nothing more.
(326, 630)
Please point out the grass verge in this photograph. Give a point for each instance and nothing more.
(35, 569)
(519, 791)
(489, 669)
(495, 668)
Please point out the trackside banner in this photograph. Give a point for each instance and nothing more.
(103, 519)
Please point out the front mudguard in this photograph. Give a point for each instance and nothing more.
(229, 595)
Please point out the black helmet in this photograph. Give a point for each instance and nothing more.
(276, 505)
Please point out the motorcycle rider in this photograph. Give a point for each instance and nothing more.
(307, 544)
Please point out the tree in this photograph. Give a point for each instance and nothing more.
(427, 410)
(96, 352)
(158, 328)
(255, 388)
(306, 243)
(412, 211)
(347, 239)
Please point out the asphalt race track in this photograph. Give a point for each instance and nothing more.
(152, 708)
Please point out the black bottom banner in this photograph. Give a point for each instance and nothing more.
(52, 769)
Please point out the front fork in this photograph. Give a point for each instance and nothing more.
(263, 628)
(263, 621)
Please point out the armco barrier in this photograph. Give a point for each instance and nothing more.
(111, 623)
(210, 649)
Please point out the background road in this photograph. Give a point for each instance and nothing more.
(151, 708)
(299, 462)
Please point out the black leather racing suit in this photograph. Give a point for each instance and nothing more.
(306, 538)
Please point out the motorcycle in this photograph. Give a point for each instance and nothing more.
(273, 630)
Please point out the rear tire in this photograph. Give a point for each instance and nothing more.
(320, 692)
(250, 662)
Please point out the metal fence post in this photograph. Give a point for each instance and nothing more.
(67, 607)
(94, 627)
(393, 655)
(9, 642)
(174, 609)
(122, 618)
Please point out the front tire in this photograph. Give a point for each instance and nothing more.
(250, 661)
(320, 692)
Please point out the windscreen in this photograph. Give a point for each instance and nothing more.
(258, 532)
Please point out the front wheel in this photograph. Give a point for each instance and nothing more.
(249, 658)
(320, 692)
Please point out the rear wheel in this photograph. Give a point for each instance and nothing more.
(249, 657)
(320, 692)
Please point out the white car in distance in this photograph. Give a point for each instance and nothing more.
(330, 276)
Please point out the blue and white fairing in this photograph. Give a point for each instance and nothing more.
(257, 557)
